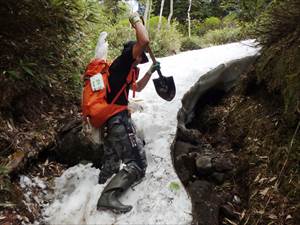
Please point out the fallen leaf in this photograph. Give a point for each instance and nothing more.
(10, 126)
(231, 222)
(7, 205)
(273, 217)
(257, 178)
(288, 217)
(272, 179)
(255, 192)
(262, 180)
(236, 199)
(15, 159)
(264, 192)
(261, 212)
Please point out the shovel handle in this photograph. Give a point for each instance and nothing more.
(153, 59)
(151, 54)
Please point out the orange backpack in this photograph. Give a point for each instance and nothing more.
(94, 103)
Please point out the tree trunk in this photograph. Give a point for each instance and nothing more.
(171, 13)
(189, 17)
(146, 12)
(149, 15)
(160, 14)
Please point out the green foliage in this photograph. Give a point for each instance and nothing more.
(210, 23)
(278, 32)
(43, 42)
(4, 178)
(174, 186)
(248, 30)
(167, 41)
(230, 20)
(246, 10)
(196, 28)
(221, 36)
(200, 9)
(117, 36)
(280, 19)
(153, 25)
(191, 43)
(3, 170)
(115, 10)
(163, 43)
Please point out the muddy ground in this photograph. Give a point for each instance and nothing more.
(239, 160)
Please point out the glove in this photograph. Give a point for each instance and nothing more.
(154, 67)
(134, 18)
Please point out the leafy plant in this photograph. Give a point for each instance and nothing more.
(278, 32)
(153, 25)
(191, 43)
(4, 178)
(221, 36)
(230, 20)
(117, 36)
(44, 41)
(167, 41)
(246, 10)
(163, 43)
(174, 186)
(212, 22)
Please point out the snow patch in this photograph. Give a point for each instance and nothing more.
(160, 198)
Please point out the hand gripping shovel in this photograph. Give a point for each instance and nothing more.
(164, 86)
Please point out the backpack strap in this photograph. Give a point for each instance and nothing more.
(119, 93)
(134, 77)
(131, 78)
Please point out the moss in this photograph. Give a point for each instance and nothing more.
(279, 64)
(279, 68)
(174, 186)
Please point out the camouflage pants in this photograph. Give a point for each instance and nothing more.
(122, 146)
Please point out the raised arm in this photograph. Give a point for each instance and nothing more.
(141, 35)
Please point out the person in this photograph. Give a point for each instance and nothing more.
(120, 142)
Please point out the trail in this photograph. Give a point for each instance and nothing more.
(160, 198)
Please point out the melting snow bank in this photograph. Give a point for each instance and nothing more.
(35, 191)
(160, 198)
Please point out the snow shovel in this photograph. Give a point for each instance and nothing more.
(164, 86)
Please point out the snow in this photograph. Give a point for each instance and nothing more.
(155, 200)
(25, 182)
(33, 189)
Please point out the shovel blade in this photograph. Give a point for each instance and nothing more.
(165, 87)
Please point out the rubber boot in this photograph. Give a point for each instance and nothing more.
(109, 197)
